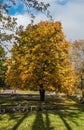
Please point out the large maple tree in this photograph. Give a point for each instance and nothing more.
(40, 60)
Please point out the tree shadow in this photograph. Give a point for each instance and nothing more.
(67, 125)
(69, 113)
(42, 121)
(47, 123)
(40, 124)
(25, 115)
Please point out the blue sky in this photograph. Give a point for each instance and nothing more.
(19, 9)
(69, 12)
(14, 10)
(62, 2)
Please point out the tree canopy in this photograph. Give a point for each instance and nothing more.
(40, 59)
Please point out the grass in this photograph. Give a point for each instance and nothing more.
(68, 115)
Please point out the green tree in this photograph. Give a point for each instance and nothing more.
(40, 60)
(2, 67)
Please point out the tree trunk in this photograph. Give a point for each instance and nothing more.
(42, 93)
(82, 95)
(82, 88)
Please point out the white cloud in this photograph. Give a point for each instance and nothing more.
(22, 19)
(72, 17)
(71, 14)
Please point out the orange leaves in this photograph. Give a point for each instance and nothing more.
(23, 76)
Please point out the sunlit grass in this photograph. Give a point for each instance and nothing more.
(67, 114)
(67, 117)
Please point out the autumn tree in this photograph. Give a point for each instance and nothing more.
(40, 60)
(77, 59)
(8, 24)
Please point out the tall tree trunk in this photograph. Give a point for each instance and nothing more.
(42, 93)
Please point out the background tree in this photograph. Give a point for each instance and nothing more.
(8, 24)
(2, 67)
(77, 58)
(30, 5)
(40, 60)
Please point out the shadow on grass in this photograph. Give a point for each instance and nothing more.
(70, 113)
(20, 121)
(62, 117)
(67, 125)
(40, 123)
(67, 113)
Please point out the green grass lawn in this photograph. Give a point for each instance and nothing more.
(65, 117)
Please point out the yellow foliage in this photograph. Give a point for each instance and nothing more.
(41, 57)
